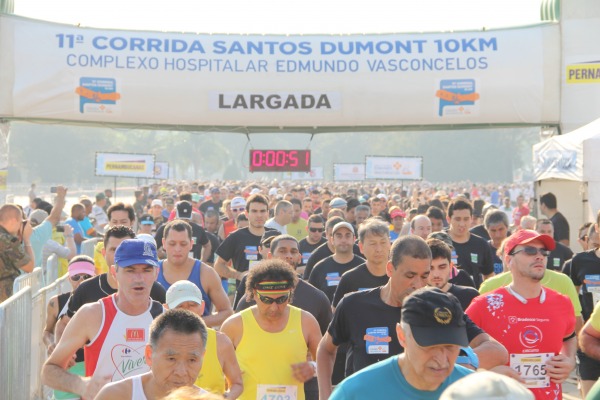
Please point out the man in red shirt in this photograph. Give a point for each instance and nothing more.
(535, 324)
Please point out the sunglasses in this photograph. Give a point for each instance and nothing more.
(533, 251)
(237, 209)
(270, 300)
(317, 229)
(78, 277)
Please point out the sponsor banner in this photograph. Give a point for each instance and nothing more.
(3, 178)
(348, 172)
(125, 165)
(136, 77)
(161, 170)
(316, 173)
(584, 73)
(398, 168)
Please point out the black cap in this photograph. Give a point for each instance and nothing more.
(268, 236)
(184, 210)
(435, 318)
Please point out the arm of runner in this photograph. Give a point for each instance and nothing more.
(51, 314)
(231, 368)
(490, 352)
(76, 335)
(589, 341)
(60, 327)
(312, 334)
(325, 360)
(233, 328)
(214, 289)
(221, 232)
(114, 391)
(226, 271)
(59, 204)
(206, 249)
(560, 366)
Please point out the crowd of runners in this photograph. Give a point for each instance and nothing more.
(290, 291)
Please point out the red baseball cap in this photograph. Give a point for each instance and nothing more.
(525, 236)
(397, 213)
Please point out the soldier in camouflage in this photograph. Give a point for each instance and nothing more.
(16, 253)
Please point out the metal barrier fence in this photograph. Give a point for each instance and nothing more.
(15, 346)
(22, 350)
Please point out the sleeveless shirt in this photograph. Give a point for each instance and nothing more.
(194, 278)
(211, 375)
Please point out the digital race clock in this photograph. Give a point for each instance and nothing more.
(279, 160)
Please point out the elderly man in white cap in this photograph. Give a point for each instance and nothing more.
(236, 207)
(220, 364)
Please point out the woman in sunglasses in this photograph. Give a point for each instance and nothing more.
(80, 268)
(272, 338)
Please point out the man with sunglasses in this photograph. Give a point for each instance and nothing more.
(534, 323)
(314, 239)
(272, 338)
(80, 269)
(16, 253)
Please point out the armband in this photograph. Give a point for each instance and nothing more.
(468, 357)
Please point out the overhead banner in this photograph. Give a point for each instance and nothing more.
(125, 165)
(135, 77)
(394, 168)
(161, 170)
(348, 172)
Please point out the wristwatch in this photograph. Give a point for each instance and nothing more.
(468, 357)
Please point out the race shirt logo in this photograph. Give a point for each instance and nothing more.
(530, 336)
(128, 361)
(378, 340)
(135, 335)
(494, 302)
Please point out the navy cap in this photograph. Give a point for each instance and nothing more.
(146, 219)
(135, 251)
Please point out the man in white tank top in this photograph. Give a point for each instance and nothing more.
(175, 353)
(113, 331)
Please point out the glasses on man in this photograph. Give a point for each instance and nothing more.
(78, 277)
(270, 300)
(317, 229)
(532, 251)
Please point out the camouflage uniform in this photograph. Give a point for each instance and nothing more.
(12, 257)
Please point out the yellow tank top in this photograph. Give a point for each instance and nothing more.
(265, 358)
(211, 376)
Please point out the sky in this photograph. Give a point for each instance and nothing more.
(286, 17)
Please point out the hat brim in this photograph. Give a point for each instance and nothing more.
(147, 223)
(135, 261)
(548, 241)
(427, 336)
(82, 270)
(175, 303)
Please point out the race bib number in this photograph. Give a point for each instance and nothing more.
(305, 257)
(592, 283)
(532, 368)
(276, 392)
(333, 279)
(378, 340)
(251, 253)
(454, 258)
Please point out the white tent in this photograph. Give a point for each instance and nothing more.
(569, 166)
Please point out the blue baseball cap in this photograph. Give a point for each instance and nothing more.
(135, 251)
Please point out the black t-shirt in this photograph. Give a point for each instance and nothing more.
(306, 249)
(306, 297)
(358, 278)
(241, 246)
(480, 231)
(96, 288)
(327, 273)
(215, 242)
(321, 253)
(199, 238)
(475, 257)
(464, 294)
(558, 256)
(498, 266)
(461, 278)
(585, 272)
(561, 227)
(368, 324)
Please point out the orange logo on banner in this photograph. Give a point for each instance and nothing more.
(135, 335)
(456, 98)
(96, 96)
